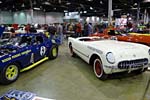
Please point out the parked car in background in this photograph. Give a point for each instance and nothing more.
(110, 56)
(120, 36)
(145, 32)
(24, 52)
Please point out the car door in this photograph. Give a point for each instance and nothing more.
(26, 55)
(81, 49)
(38, 48)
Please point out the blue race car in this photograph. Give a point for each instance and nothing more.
(24, 52)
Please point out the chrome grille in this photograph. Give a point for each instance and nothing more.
(132, 63)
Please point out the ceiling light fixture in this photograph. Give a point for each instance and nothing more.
(135, 4)
(134, 8)
(117, 9)
(146, 0)
(47, 3)
(23, 5)
(68, 3)
(65, 11)
(91, 8)
(85, 12)
(36, 8)
(101, 2)
(0, 1)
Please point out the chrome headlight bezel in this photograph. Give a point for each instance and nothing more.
(110, 57)
(149, 51)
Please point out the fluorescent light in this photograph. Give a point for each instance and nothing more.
(0, 1)
(36, 8)
(68, 3)
(47, 3)
(134, 8)
(117, 9)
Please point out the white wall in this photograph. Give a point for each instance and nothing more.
(20, 17)
(24, 17)
(52, 17)
(6, 17)
(39, 17)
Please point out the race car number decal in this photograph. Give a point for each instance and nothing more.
(42, 50)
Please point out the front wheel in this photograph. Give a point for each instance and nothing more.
(71, 51)
(9, 74)
(53, 53)
(98, 69)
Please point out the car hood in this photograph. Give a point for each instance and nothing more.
(124, 49)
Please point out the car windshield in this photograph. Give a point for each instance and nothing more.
(20, 41)
(14, 41)
(92, 39)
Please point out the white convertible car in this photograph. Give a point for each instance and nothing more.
(110, 56)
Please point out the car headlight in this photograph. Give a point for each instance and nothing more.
(110, 57)
(149, 51)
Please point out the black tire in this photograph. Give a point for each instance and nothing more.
(9, 74)
(53, 53)
(98, 69)
(71, 51)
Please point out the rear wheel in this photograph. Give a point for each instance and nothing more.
(71, 51)
(98, 69)
(53, 53)
(9, 74)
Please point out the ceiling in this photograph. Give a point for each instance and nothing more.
(84, 7)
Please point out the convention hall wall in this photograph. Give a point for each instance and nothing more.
(24, 17)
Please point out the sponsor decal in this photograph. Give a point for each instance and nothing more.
(16, 56)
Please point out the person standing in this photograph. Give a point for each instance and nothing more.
(85, 29)
(60, 32)
(78, 29)
(52, 31)
(90, 29)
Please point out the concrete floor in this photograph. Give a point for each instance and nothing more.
(67, 78)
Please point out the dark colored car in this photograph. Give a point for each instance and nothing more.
(24, 52)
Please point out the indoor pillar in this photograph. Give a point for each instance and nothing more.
(109, 12)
